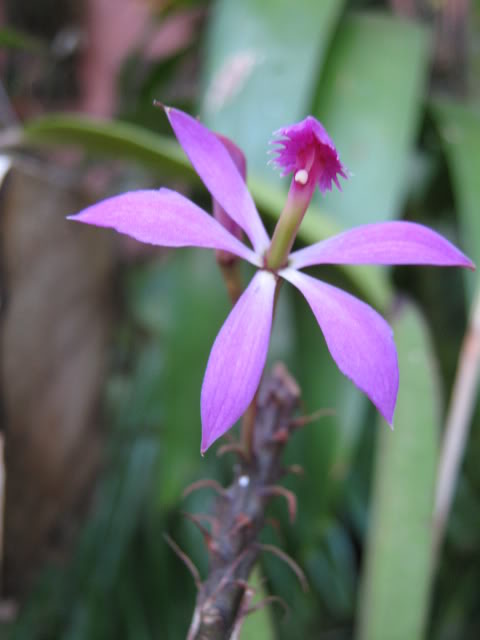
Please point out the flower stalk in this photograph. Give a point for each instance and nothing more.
(238, 515)
(299, 197)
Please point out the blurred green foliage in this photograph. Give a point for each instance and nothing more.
(404, 484)
(266, 64)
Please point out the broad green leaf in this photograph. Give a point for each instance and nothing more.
(459, 127)
(397, 574)
(261, 74)
(370, 100)
(165, 157)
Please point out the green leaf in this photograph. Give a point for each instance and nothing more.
(184, 304)
(370, 100)
(262, 61)
(259, 625)
(111, 138)
(459, 127)
(396, 582)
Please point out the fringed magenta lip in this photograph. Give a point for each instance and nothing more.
(307, 150)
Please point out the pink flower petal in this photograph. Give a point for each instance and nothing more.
(163, 218)
(216, 168)
(383, 243)
(240, 162)
(237, 359)
(358, 338)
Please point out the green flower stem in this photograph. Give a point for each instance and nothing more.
(299, 197)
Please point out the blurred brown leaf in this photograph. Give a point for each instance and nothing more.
(54, 329)
(115, 29)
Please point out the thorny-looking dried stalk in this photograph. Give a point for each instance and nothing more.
(238, 516)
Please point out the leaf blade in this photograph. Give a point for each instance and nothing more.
(396, 580)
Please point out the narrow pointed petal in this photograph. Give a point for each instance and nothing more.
(218, 172)
(224, 257)
(163, 218)
(237, 359)
(383, 243)
(358, 338)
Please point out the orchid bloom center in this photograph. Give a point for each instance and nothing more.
(306, 150)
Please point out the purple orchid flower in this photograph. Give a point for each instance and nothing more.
(358, 338)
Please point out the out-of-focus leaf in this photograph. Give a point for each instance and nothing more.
(185, 302)
(397, 577)
(128, 495)
(459, 127)
(132, 606)
(14, 39)
(331, 569)
(259, 625)
(51, 360)
(111, 138)
(370, 99)
(261, 75)
(162, 154)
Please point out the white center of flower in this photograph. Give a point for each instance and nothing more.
(244, 481)
(301, 176)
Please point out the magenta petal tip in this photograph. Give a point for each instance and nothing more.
(358, 338)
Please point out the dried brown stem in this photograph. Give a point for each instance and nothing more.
(203, 484)
(224, 598)
(289, 496)
(186, 560)
(288, 560)
(458, 421)
(302, 421)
